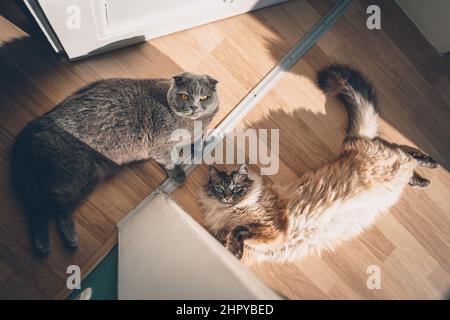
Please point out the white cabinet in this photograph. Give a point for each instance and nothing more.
(165, 254)
(86, 27)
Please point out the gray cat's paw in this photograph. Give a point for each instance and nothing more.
(180, 177)
(42, 246)
(73, 242)
(177, 175)
(66, 226)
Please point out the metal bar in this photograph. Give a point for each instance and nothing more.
(260, 90)
(277, 72)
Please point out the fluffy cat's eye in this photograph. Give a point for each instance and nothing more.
(218, 189)
(204, 98)
(184, 97)
(237, 189)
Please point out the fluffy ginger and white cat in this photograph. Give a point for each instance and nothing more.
(260, 222)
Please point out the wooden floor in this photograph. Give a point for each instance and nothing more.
(410, 244)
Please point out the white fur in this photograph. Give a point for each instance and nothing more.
(325, 228)
(310, 231)
(365, 120)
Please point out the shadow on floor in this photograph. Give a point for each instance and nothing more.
(422, 116)
(33, 79)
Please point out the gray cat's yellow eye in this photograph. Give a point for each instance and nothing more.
(237, 189)
(204, 98)
(218, 189)
(184, 97)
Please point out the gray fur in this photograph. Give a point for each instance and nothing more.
(59, 157)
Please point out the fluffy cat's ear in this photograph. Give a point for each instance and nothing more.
(212, 82)
(243, 170)
(213, 173)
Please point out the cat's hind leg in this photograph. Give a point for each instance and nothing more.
(66, 226)
(418, 181)
(422, 159)
(39, 234)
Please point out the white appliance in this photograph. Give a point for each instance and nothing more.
(165, 254)
(85, 27)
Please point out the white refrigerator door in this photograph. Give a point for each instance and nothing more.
(87, 27)
(165, 254)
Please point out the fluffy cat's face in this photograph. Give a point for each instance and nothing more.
(228, 189)
(193, 96)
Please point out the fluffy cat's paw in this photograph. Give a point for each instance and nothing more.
(241, 233)
(236, 239)
(236, 248)
(418, 181)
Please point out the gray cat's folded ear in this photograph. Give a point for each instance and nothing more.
(211, 81)
(179, 79)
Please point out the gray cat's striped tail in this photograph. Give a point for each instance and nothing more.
(358, 96)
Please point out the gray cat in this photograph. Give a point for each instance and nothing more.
(59, 158)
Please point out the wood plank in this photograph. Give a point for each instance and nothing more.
(33, 80)
(411, 243)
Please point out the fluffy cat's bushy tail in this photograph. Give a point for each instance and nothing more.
(356, 94)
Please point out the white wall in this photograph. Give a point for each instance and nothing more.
(432, 17)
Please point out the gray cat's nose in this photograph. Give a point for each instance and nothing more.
(194, 108)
